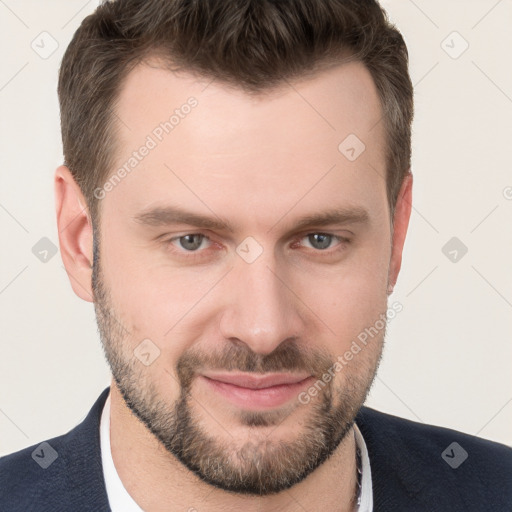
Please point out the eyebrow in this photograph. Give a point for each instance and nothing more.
(169, 215)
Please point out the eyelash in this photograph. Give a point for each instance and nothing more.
(198, 254)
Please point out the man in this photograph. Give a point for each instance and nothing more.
(234, 200)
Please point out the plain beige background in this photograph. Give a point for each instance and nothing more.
(448, 354)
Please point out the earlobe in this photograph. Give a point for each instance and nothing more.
(75, 232)
(400, 223)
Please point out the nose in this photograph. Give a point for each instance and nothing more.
(260, 308)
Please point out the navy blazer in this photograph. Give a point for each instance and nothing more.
(415, 467)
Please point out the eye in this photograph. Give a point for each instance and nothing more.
(322, 241)
(190, 242)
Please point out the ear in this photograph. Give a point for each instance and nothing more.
(75, 232)
(400, 223)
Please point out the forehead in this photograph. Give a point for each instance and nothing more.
(215, 147)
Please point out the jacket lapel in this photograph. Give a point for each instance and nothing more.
(81, 456)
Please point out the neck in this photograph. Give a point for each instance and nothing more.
(156, 480)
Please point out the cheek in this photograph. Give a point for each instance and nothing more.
(158, 303)
(351, 298)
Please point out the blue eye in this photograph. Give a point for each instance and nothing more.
(195, 247)
(322, 241)
(190, 242)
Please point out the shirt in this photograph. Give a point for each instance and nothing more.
(121, 501)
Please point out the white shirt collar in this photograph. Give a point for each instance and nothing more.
(366, 504)
(118, 497)
(121, 501)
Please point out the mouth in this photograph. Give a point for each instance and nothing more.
(256, 391)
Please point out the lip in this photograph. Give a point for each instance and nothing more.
(252, 381)
(250, 391)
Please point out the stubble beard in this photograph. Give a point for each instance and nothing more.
(262, 465)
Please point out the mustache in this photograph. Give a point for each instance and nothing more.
(287, 357)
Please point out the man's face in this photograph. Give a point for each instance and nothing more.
(256, 291)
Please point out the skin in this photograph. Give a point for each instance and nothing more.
(260, 163)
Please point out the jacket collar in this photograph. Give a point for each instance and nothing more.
(397, 478)
(82, 455)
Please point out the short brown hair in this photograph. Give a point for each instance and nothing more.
(254, 45)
